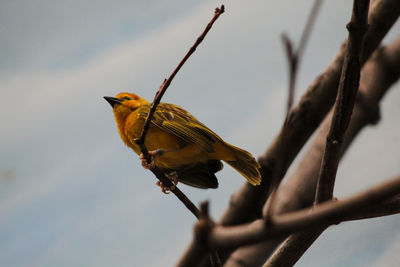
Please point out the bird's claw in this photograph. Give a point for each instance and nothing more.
(173, 176)
(174, 179)
(153, 155)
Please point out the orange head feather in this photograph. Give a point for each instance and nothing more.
(124, 103)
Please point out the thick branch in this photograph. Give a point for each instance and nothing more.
(349, 82)
(348, 87)
(380, 72)
(246, 204)
(199, 247)
(295, 245)
(298, 191)
(293, 57)
(325, 214)
(293, 248)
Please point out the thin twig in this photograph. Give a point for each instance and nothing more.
(307, 32)
(164, 86)
(294, 56)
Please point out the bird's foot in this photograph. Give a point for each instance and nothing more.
(173, 176)
(153, 155)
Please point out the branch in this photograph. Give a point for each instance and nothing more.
(349, 83)
(348, 87)
(295, 245)
(327, 213)
(380, 72)
(199, 247)
(293, 248)
(323, 215)
(246, 204)
(293, 57)
(378, 75)
(164, 86)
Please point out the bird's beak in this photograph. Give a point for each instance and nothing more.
(112, 100)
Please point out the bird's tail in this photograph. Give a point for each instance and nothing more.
(245, 164)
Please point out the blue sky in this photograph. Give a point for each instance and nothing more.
(71, 194)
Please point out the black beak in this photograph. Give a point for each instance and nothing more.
(112, 100)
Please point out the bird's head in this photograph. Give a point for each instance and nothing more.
(124, 103)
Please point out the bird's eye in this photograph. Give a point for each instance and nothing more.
(127, 98)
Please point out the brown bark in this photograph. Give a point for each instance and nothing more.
(247, 202)
(378, 74)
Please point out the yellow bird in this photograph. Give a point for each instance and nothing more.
(181, 145)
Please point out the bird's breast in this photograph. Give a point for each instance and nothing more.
(156, 138)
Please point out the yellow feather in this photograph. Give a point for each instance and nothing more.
(191, 148)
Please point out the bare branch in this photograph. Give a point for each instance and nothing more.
(295, 245)
(378, 74)
(307, 32)
(388, 207)
(325, 214)
(348, 87)
(199, 248)
(349, 83)
(293, 57)
(246, 204)
(164, 86)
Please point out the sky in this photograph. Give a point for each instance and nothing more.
(71, 194)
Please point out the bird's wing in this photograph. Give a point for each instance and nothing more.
(200, 174)
(179, 122)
